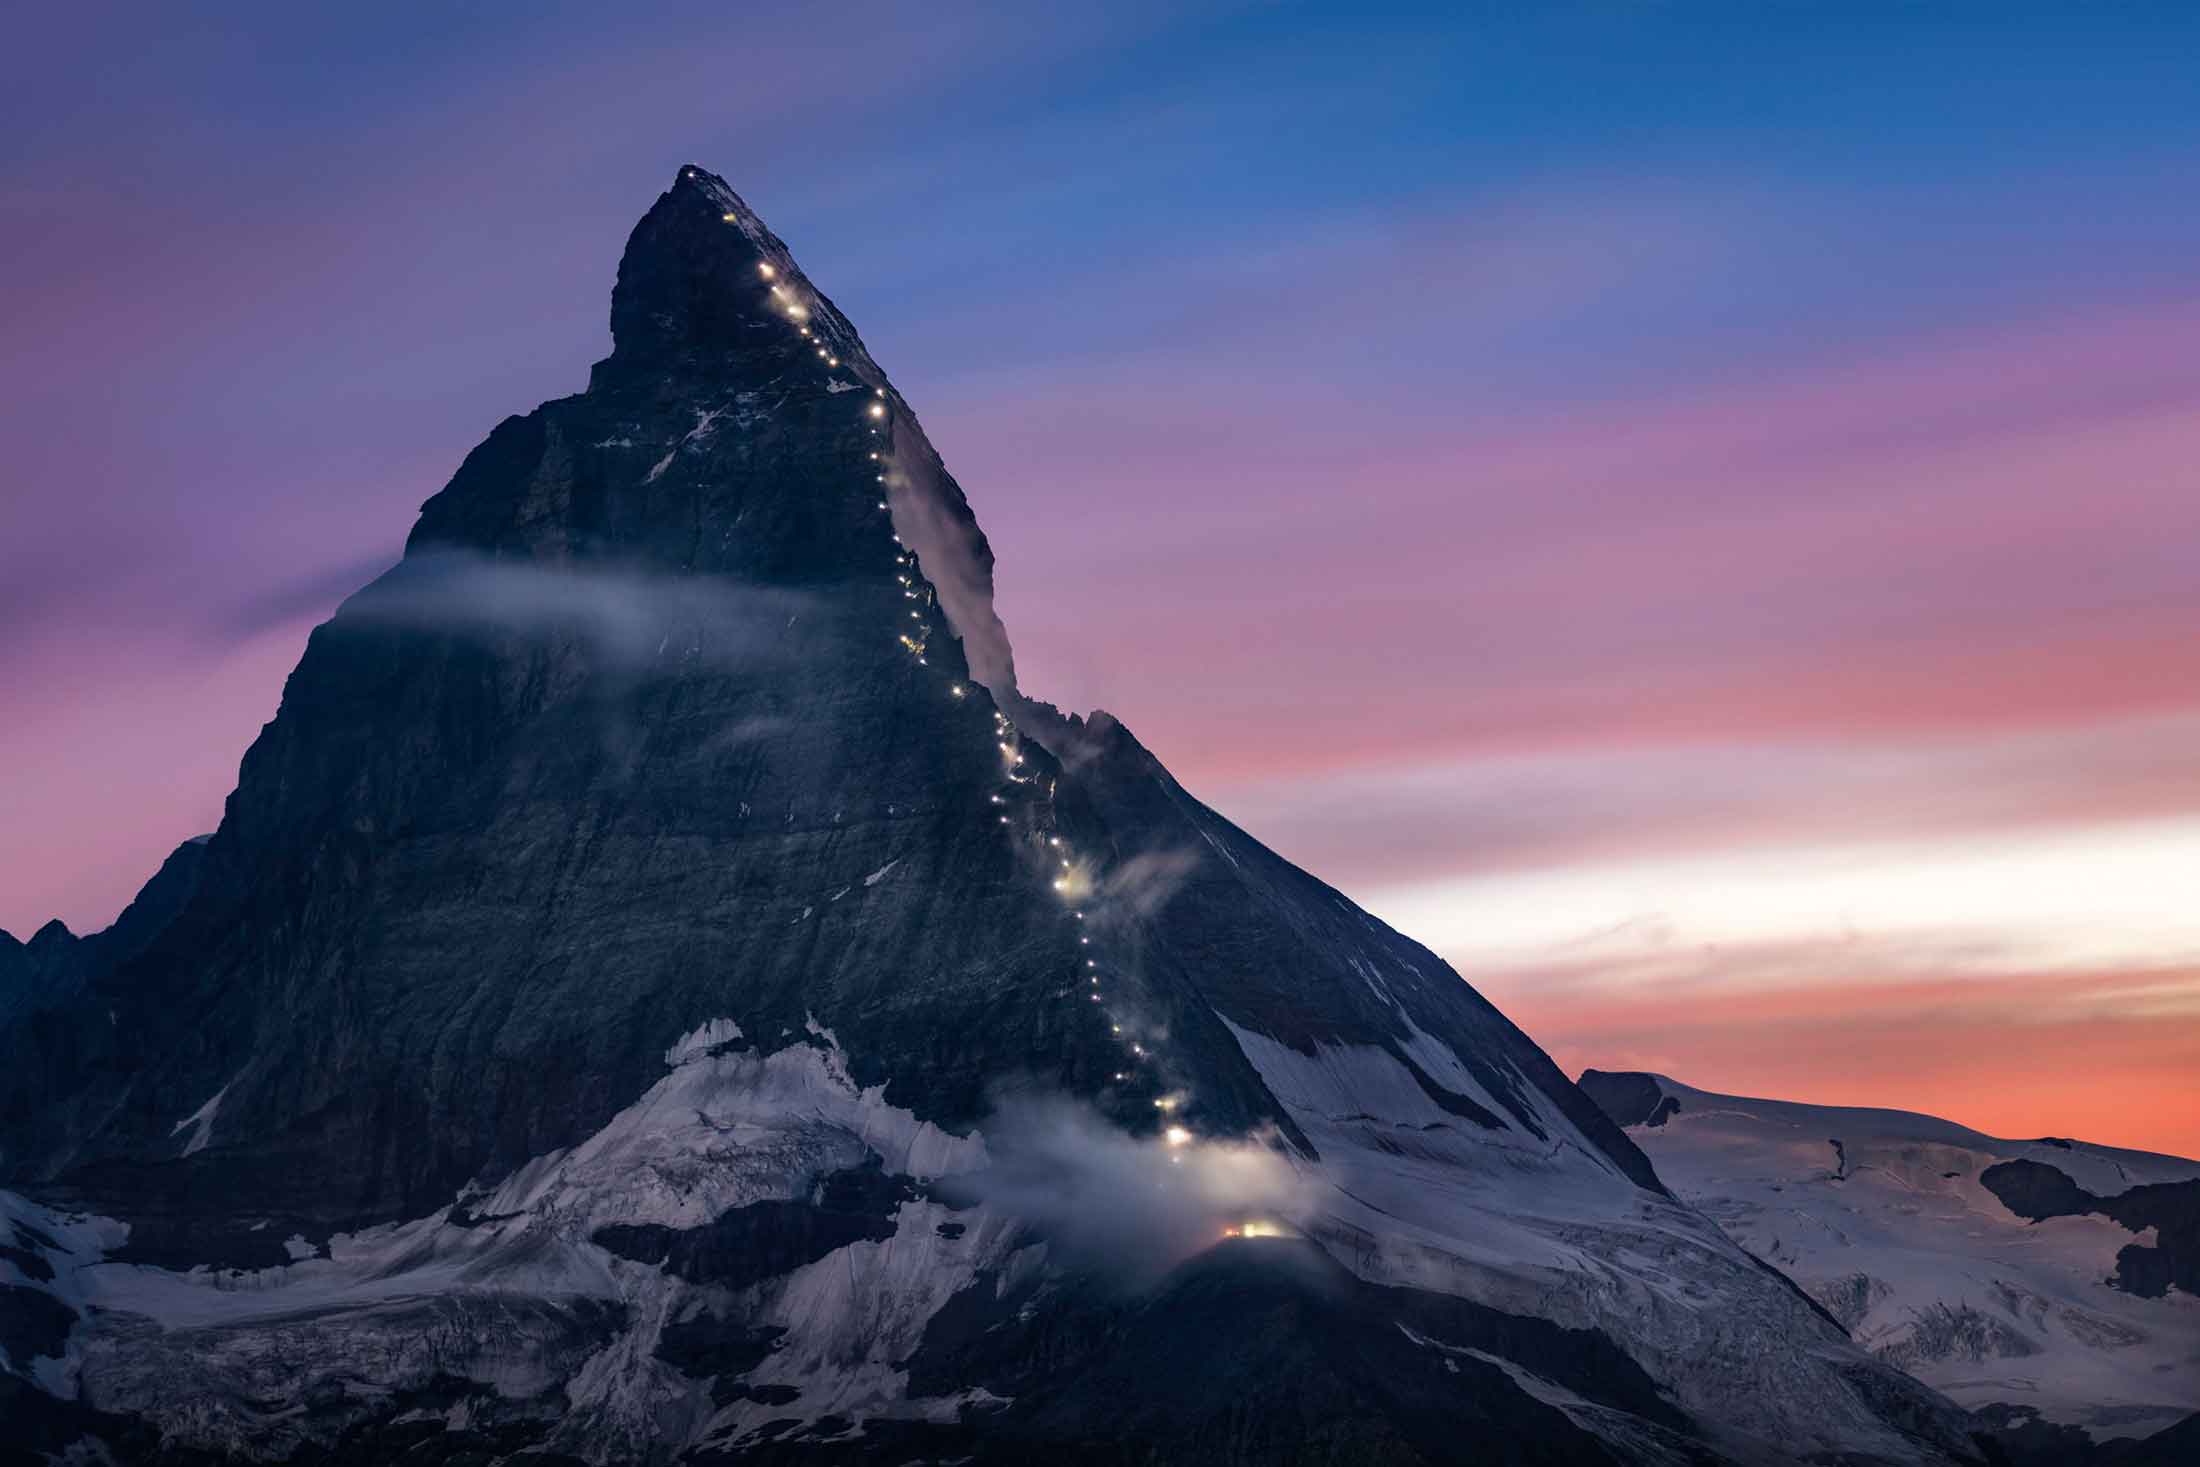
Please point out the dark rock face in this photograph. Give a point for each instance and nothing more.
(48, 1028)
(1630, 1098)
(2021, 1437)
(2035, 1191)
(1265, 1351)
(768, 1238)
(722, 1351)
(32, 1323)
(643, 893)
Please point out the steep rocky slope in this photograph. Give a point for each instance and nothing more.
(659, 991)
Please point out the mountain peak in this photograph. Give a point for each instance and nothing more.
(704, 283)
(710, 305)
(653, 931)
(55, 933)
(714, 191)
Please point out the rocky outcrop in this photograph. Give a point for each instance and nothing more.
(1629, 1099)
(2037, 1191)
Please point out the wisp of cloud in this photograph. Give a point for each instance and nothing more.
(1126, 1207)
(622, 617)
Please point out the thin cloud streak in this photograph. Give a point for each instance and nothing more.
(2009, 901)
(2024, 982)
(1378, 824)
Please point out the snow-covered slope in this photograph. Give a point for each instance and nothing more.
(1884, 1217)
(525, 1289)
(760, 1251)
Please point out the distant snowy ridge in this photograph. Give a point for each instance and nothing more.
(1892, 1221)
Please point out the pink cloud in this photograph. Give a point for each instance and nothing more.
(1379, 824)
(1932, 546)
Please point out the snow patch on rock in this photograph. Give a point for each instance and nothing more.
(701, 1041)
(724, 1130)
(202, 1122)
(855, 1315)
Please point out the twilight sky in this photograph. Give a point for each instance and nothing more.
(1692, 511)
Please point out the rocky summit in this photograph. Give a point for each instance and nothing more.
(660, 992)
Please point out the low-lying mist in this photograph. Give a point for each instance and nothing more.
(1130, 1208)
